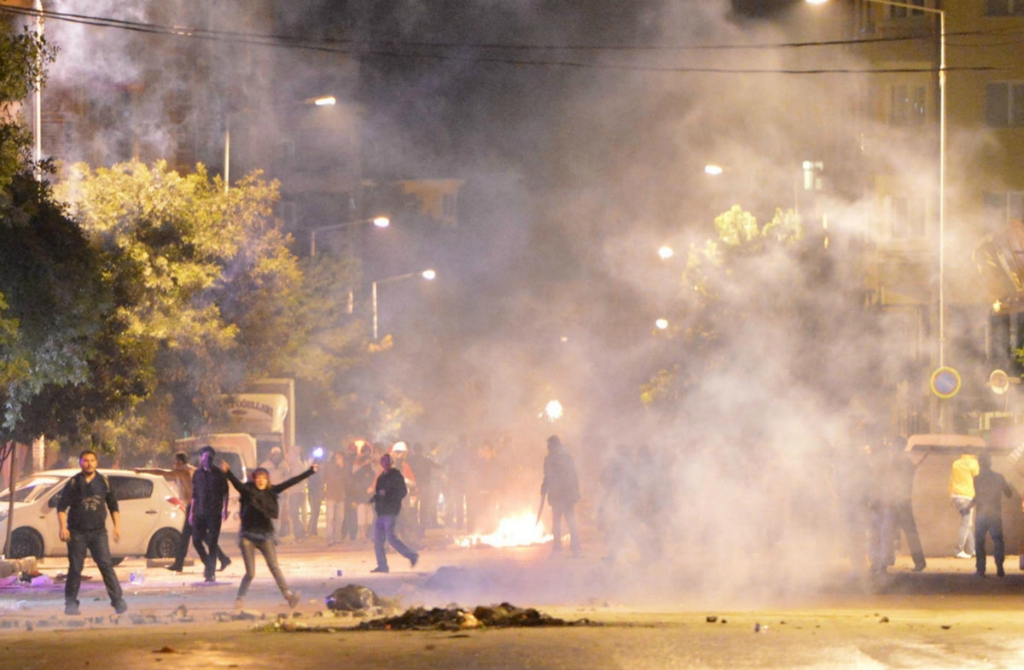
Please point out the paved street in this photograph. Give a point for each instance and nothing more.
(942, 618)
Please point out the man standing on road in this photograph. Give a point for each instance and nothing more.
(387, 503)
(562, 488)
(901, 473)
(988, 486)
(82, 515)
(209, 509)
(961, 493)
(180, 477)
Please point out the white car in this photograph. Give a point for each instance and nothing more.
(151, 515)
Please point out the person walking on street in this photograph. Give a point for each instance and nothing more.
(209, 509)
(961, 493)
(988, 486)
(562, 489)
(180, 478)
(259, 501)
(901, 476)
(335, 477)
(387, 503)
(82, 518)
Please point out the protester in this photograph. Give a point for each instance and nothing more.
(180, 478)
(359, 486)
(961, 493)
(562, 489)
(988, 486)
(387, 501)
(259, 509)
(82, 518)
(209, 509)
(279, 470)
(901, 478)
(335, 478)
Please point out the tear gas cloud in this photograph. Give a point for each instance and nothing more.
(732, 490)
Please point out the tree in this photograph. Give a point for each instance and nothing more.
(206, 290)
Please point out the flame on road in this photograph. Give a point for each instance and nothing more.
(516, 531)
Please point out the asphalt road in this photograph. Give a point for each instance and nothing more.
(945, 617)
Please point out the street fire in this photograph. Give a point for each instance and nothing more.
(516, 531)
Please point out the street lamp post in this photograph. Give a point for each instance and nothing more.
(429, 275)
(322, 101)
(380, 222)
(942, 159)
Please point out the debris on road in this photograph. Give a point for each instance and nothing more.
(504, 615)
(356, 599)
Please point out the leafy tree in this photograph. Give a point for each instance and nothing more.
(206, 290)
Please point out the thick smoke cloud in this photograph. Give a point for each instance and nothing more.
(580, 173)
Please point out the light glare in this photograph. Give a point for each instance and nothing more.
(429, 274)
(666, 252)
(325, 101)
(382, 222)
(662, 324)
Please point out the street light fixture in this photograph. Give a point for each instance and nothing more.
(319, 101)
(428, 274)
(379, 222)
(942, 159)
(666, 252)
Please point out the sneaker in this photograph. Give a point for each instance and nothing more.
(963, 554)
(210, 579)
(225, 563)
(920, 567)
(120, 607)
(1000, 572)
(174, 568)
(71, 609)
(294, 599)
(412, 561)
(380, 569)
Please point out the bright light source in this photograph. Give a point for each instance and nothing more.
(428, 274)
(666, 252)
(997, 306)
(662, 324)
(713, 169)
(382, 222)
(325, 101)
(816, 2)
(553, 410)
(318, 453)
(565, 338)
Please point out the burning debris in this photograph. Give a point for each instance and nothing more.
(516, 531)
(453, 618)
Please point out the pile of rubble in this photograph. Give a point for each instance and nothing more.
(453, 618)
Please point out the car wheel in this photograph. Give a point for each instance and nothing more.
(26, 542)
(164, 544)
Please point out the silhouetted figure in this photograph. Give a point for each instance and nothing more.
(562, 488)
(901, 479)
(209, 509)
(988, 486)
(387, 503)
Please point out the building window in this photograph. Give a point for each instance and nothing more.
(1004, 7)
(1001, 208)
(904, 12)
(908, 105)
(908, 216)
(1004, 104)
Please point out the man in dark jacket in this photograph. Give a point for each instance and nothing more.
(387, 503)
(209, 509)
(82, 517)
(562, 488)
(988, 486)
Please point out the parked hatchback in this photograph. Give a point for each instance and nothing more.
(151, 518)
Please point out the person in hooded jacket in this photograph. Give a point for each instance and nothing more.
(259, 510)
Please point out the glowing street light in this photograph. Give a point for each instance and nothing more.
(319, 101)
(666, 252)
(715, 170)
(553, 410)
(661, 324)
(379, 222)
(428, 274)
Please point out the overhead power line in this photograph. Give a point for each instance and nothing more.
(412, 49)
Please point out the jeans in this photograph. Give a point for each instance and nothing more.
(384, 529)
(335, 520)
(903, 519)
(206, 531)
(569, 513)
(186, 539)
(965, 538)
(266, 547)
(993, 526)
(95, 542)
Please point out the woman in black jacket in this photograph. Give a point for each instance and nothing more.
(259, 509)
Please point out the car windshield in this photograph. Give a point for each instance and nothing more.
(29, 490)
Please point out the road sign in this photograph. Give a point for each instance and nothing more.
(945, 382)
